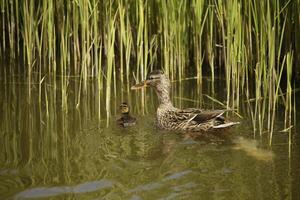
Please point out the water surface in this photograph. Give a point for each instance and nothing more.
(53, 150)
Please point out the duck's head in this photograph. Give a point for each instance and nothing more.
(124, 108)
(160, 82)
(156, 79)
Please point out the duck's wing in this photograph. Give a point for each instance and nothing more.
(195, 119)
(198, 115)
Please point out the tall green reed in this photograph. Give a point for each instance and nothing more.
(105, 40)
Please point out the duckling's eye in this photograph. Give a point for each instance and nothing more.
(151, 78)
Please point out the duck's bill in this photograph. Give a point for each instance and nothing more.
(140, 85)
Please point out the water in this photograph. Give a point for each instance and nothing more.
(51, 150)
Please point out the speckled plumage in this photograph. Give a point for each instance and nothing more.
(190, 119)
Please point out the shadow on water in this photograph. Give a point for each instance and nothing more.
(52, 152)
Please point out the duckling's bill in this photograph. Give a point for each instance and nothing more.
(140, 85)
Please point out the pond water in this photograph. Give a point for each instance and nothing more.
(52, 150)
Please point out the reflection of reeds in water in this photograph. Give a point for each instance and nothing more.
(51, 148)
(248, 40)
(251, 148)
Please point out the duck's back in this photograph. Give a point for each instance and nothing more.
(194, 120)
(126, 121)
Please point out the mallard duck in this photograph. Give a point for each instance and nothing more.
(125, 120)
(190, 119)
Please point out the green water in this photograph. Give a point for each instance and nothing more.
(52, 150)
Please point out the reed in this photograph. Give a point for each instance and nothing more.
(200, 15)
(105, 40)
(109, 44)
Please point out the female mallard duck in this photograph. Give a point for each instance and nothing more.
(126, 120)
(190, 119)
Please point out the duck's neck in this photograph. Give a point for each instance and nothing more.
(164, 97)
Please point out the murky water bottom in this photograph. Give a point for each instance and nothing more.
(47, 152)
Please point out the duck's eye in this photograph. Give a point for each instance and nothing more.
(151, 78)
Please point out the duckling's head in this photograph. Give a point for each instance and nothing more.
(124, 108)
(156, 79)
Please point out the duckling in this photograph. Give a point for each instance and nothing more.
(171, 118)
(126, 120)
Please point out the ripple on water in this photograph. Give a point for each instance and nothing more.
(40, 192)
(156, 185)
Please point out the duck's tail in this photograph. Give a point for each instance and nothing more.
(225, 125)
